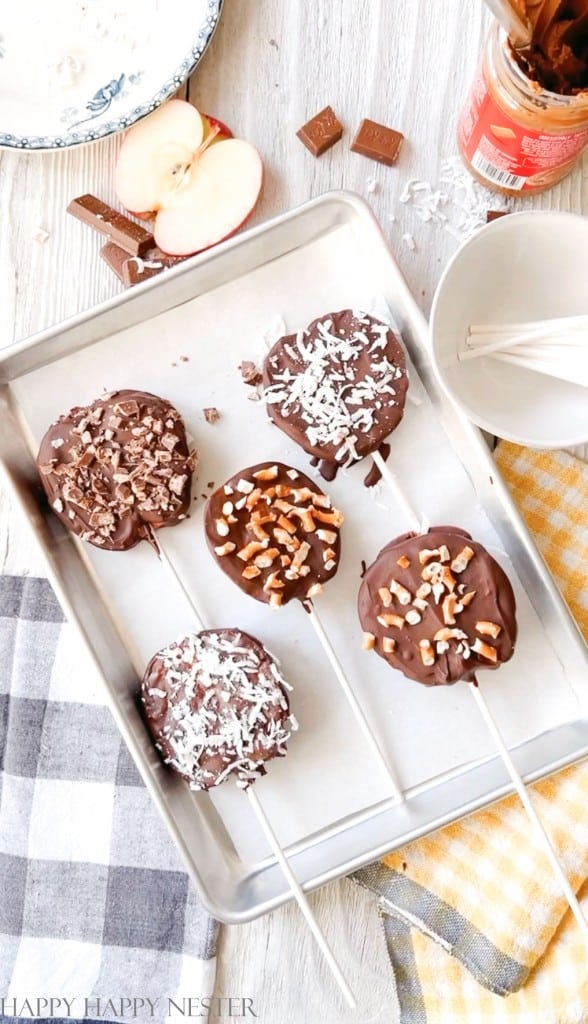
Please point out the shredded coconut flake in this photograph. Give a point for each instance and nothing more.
(457, 203)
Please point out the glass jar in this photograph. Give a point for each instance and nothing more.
(516, 137)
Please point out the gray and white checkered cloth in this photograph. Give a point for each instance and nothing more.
(94, 901)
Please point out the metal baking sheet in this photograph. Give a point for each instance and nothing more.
(182, 336)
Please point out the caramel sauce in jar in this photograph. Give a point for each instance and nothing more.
(514, 136)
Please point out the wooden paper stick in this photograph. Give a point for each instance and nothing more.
(398, 493)
(562, 371)
(525, 799)
(555, 323)
(179, 583)
(263, 821)
(300, 896)
(352, 699)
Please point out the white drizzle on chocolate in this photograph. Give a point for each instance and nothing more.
(216, 704)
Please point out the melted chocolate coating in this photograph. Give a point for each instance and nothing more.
(118, 469)
(452, 608)
(216, 705)
(274, 533)
(338, 388)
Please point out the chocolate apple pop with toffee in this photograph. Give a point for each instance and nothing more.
(276, 535)
(439, 608)
(118, 469)
(217, 706)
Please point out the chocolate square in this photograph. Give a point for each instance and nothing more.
(495, 214)
(377, 142)
(321, 132)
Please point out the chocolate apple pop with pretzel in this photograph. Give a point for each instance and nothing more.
(439, 608)
(276, 535)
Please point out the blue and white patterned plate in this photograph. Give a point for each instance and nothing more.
(73, 72)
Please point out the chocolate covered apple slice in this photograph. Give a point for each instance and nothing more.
(337, 388)
(199, 190)
(118, 469)
(274, 533)
(217, 705)
(438, 607)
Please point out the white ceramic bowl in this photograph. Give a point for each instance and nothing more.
(526, 266)
(74, 72)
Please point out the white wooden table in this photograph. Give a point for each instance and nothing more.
(271, 66)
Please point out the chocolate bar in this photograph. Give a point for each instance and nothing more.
(495, 214)
(140, 268)
(135, 269)
(321, 132)
(132, 237)
(115, 257)
(377, 142)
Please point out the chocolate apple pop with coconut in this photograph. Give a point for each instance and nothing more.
(439, 608)
(183, 172)
(276, 535)
(217, 706)
(338, 389)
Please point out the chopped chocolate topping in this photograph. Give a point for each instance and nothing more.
(274, 533)
(439, 607)
(211, 414)
(337, 388)
(216, 705)
(118, 469)
(249, 372)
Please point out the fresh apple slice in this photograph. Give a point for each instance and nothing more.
(212, 201)
(156, 153)
(172, 166)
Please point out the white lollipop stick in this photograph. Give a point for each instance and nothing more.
(351, 698)
(575, 374)
(488, 344)
(399, 495)
(297, 891)
(564, 323)
(527, 804)
(300, 896)
(178, 581)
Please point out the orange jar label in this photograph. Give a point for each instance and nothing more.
(506, 153)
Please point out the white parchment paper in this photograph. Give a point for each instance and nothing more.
(190, 355)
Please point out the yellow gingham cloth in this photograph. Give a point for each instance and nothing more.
(482, 888)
